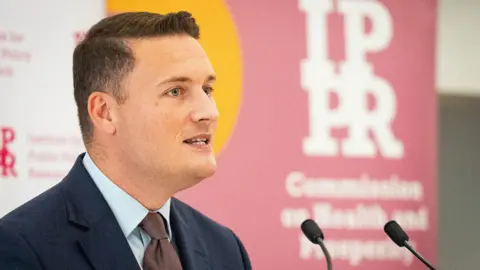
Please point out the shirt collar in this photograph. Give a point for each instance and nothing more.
(128, 211)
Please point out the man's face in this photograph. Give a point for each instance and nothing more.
(168, 119)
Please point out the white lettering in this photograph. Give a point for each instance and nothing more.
(356, 251)
(411, 219)
(355, 80)
(298, 185)
(293, 218)
(359, 217)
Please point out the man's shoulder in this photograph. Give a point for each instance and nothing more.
(38, 212)
(46, 210)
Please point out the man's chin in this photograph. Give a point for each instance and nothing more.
(201, 167)
(197, 175)
(206, 171)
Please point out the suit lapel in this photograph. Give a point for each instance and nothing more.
(102, 239)
(193, 252)
(106, 247)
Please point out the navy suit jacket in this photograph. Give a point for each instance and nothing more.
(71, 226)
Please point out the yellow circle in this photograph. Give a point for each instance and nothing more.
(219, 39)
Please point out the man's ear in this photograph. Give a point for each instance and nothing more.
(102, 109)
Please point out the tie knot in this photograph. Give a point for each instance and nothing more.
(154, 225)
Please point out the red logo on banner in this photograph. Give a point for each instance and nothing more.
(7, 158)
(78, 36)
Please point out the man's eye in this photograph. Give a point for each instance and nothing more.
(208, 90)
(174, 92)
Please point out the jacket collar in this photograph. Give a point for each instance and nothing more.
(192, 249)
(102, 241)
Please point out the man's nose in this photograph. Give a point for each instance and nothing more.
(204, 109)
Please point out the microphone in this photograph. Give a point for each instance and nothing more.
(399, 237)
(315, 235)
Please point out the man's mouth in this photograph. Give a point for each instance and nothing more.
(199, 140)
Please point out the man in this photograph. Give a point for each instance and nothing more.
(143, 87)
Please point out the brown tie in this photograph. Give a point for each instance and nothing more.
(160, 253)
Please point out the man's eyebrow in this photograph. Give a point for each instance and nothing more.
(210, 78)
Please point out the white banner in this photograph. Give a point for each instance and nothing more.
(39, 134)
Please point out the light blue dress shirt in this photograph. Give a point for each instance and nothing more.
(128, 211)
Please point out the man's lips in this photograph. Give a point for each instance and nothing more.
(199, 139)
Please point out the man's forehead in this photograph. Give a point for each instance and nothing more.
(162, 59)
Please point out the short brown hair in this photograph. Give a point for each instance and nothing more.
(103, 58)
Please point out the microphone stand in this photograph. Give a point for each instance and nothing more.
(325, 251)
(409, 247)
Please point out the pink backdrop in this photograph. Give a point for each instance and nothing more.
(365, 180)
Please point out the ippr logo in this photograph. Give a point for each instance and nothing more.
(7, 158)
(352, 84)
(78, 36)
